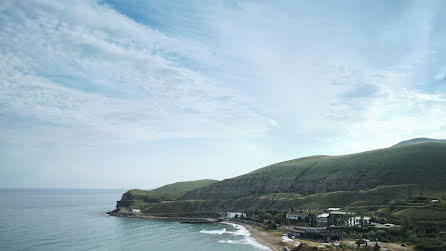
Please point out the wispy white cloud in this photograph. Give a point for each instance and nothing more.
(329, 76)
(128, 81)
(254, 81)
(84, 67)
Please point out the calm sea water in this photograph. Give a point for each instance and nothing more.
(65, 219)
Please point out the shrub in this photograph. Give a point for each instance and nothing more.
(434, 244)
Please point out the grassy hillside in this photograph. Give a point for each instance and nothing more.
(371, 182)
(419, 140)
(142, 198)
(390, 201)
(422, 163)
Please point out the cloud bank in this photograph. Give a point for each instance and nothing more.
(88, 72)
(197, 90)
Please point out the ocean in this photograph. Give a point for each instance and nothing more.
(75, 219)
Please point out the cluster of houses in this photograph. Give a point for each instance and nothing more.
(327, 225)
(331, 217)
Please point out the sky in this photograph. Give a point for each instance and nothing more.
(139, 94)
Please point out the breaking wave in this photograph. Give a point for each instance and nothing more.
(222, 231)
(240, 231)
(242, 241)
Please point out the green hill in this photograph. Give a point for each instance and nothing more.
(385, 181)
(419, 140)
(422, 163)
(142, 198)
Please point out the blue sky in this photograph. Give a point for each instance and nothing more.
(120, 94)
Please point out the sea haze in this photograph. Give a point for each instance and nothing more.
(65, 219)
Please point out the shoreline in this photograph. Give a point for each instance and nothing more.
(262, 239)
(257, 237)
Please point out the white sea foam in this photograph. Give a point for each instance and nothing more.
(257, 245)
(242, 231)
(242, 241)
(222, 231)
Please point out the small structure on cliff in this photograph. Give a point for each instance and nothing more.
(136, 211)
(129, 212)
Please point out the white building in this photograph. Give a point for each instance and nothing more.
(136, 211)
(322, 220)
(337, 218)
(386, 225)
(358, 221)
(367, 220)
(130, 212)
(331, 209)
(232, 215)
(297, 215)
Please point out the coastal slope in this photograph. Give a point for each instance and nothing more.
(385, 180)
(421, 163)
(139, 198)
(419, 140)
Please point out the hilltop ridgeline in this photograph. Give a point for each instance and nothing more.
(379, 177)
(419, 140)
(421, 163)
(165, 193)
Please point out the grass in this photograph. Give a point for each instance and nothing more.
(167, 192)
(421, 163)
(145, 199)
(373, 183)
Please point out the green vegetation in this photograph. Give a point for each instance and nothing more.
(419, 140)
(392, 183)
(168, 192)
(144, 199)
(422, 163)
(423, 237)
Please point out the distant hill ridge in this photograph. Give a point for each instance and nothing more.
(419, 140)
(167, 192)
(420, 163)
(374, 178)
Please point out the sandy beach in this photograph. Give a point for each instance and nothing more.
(272, 241)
